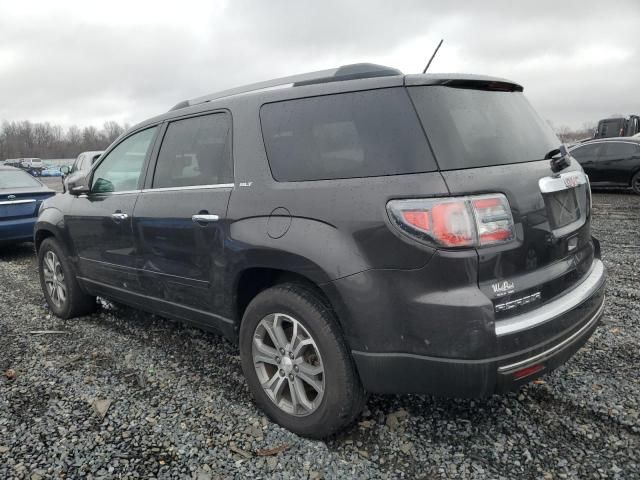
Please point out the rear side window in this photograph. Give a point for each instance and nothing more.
(359, 134)
(471, 128)
(195, 151)
(617, 150)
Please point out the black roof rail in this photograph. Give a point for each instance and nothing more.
(345, 72)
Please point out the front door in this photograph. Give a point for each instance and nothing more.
(180, 219)
(587, 156)
(100, 223)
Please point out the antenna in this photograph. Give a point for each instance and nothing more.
(432, 56)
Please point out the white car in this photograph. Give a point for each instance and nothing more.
(29, 163)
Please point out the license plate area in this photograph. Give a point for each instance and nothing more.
(566, 200)
(563, 207)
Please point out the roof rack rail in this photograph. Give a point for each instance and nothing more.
(345, 72)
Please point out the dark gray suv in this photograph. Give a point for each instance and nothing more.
(354, 230)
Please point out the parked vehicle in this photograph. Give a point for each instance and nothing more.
(51, 171)
(618, 127)
(32, 165)
(611, 162)
(13, 162)
(83, 163)
(310, 220)
(85, 160)
(20, 199)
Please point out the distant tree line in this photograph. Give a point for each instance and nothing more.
(569, 134)
(45, 140)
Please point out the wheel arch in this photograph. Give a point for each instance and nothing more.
(252, 280)
(50, 224)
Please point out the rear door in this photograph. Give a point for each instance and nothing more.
(180, 218)
(100, 223)
(615, 162)
(488, 139)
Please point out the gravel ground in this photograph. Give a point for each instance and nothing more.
(178, 406)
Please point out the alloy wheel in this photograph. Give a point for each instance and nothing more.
(288, 364)
(54, 279)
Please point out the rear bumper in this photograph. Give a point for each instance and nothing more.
(20, 230)
(559, 330)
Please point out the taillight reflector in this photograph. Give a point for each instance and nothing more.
(527, 372)
(419, 219)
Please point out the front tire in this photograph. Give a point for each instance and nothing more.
(296, 363)
(59, 285)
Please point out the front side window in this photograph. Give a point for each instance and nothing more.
(77, 165)
(122, 167)
(347, 135)
(586, 153)
(195, 151)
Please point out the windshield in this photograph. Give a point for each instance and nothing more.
(471, 128)
(17, 179)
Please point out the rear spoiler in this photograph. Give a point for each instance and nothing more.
(473, 82)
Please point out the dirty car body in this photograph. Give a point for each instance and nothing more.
(421, 208)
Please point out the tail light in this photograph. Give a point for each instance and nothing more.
(455, 222)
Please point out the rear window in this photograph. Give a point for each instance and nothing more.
(618, 150)
(471, 128)
(347, 135)
(17, 179)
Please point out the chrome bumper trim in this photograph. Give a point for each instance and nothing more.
(16, 202)
(547, 353)
(555, 308)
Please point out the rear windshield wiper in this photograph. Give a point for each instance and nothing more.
(558, 162)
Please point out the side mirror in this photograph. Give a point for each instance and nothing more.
(77, 184)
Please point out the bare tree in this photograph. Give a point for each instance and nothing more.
(44, 140)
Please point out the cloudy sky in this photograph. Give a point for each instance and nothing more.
(79, 62)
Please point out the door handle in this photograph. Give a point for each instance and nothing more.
(119, 216)
(204, 218)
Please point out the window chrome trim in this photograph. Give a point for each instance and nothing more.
(601, 142)
(547, 353)
(16, 202)
(555, 308)
(189, 187)
(123, 192)
(563, 181)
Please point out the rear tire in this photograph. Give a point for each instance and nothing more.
(635, 183)
(59, 285)
(305, 401)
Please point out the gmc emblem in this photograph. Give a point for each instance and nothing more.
(571, 181)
